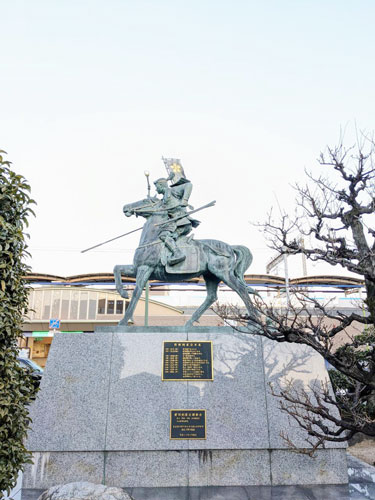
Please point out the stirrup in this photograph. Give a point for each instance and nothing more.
(173, 260)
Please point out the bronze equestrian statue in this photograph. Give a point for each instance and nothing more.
(167, 252)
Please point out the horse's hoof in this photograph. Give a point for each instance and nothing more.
(126, 322)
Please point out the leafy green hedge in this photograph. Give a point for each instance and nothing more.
(16, 386)
(355, 398)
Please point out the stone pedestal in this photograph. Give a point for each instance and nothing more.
(102, 414)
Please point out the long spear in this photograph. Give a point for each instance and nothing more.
(112, 239)
(211, 204)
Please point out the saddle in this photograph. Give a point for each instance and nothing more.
(188, 265)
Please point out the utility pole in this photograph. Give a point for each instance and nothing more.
(286, 279)
(304, 260)
(273, 263)
(147, 291)
(147, 288)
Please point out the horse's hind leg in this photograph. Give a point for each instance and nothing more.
(143, 274)
(212, 283)
(240, 287)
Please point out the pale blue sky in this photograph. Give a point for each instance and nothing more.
(245, 93)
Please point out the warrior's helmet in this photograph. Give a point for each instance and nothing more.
(175, 171)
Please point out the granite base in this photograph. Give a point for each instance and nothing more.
(102, 414)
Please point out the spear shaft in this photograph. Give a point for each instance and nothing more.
(112, 239)
(212, 203)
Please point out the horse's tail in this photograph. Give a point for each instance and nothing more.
(243, 260)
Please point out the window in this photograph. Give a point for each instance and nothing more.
(56, 304)
(83, 305)
(38, 304)
(92, 308)
(119, 306)
(47, 304)
(31, 313)
(74, 305)
(65, 304)
(101, 306)
(110, 307)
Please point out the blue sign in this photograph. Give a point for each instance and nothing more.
(54, 324)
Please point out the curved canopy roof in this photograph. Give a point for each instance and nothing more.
(253, 279)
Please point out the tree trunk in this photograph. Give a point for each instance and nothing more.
(371, 404)
(370, 300)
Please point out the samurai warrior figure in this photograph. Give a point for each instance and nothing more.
(175, 200)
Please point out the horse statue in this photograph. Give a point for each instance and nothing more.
(214, 260)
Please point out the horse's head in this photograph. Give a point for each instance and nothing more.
(139, 207)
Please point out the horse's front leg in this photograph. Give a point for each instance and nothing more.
(143, 274)
(119, 271)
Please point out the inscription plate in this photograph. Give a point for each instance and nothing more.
(187, 424)
(189, 360)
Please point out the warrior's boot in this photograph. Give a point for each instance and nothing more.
(177, 254)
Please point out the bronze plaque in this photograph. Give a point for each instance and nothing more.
(187, 360)
(187, 424)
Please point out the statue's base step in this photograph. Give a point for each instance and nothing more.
(326, 492)
(187, 468)
(361, 479)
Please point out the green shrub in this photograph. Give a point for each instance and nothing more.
(16, 387)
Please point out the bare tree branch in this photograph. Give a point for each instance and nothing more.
(331, 210)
